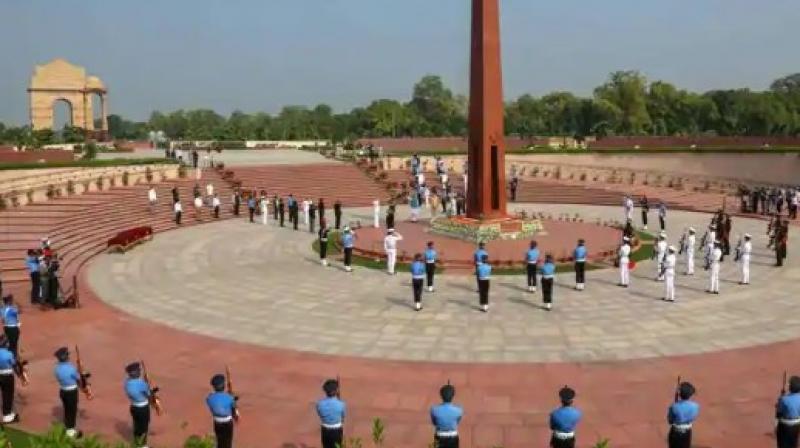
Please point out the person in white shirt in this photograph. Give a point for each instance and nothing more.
(710, 239)
(716, 256)
(215, 204)
(264, 211)
(624, 263)
(210, 191)
(627, 204)
(688, 250)
(420, 178)
(306, 207)
(669, 275)
(198, 205)
(661, 253)
(178, 208)
(152, 198)
(390, 246)
(376, 213)
(744, 258)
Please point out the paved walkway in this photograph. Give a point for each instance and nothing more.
(262, 285)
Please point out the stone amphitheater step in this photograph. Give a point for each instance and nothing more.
(79, 226)
(328, 181)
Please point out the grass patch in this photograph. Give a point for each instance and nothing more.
(18, 438)
(95, 163)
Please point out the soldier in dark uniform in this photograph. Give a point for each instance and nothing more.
(139, 395)
(321, 209)
(281, 210)
(781, 241)
(70, 380)
(237, 201)
(390, 217)
(681, 417)
(312, 216)
(331, 411)
(8, 366)
(275, 207)
(222, 406)
(513, 185)
(645, 206)
(337, 214)
(323, 242)
(11, 323)
(564, 420)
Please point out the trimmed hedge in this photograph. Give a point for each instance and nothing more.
(87, 163)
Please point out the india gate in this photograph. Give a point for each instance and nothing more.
(60, 80)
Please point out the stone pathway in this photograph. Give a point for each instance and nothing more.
(264, 286)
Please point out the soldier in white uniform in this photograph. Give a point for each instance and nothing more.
(390, 246)
(198, 206)
(152, 198)
(714, 259)
(627, 204)
(376, 213)
(709, 240)
(624, 263)
(661, 253)
(209, 192)
(669, 274)
(264, 211)
(306, 206)
(744, 258)
(688, 249)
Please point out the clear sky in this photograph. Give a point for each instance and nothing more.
(258, 55)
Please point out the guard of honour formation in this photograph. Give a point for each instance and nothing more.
(143, 395)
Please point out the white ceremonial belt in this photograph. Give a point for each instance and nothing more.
(141, 404)
(789, 421)
(563, 435)
(332, 425)
(484, 278)
(418, 277)
(430, 261)
(453, 433)
(69, 388)
(12, 326)
(225, 419)
(533, 262)
(7, 372)
(581, 260)
(549, 277)
(682, 427)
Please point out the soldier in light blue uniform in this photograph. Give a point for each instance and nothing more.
(787, 412)
(138, 393)
(430, 264)
(331, 411)
(484, 277)
(531, 261)
(445, 418)
(477, 256)
(548, 277)
(8, 366)
(69, 380)
(222, 406)
(579, 255)
(564, 420)
(417, 279)
(348, 242)
(681, 416)
(11, 324)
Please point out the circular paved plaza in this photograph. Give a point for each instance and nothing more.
(263, 285)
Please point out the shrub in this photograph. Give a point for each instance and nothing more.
(126, 178)
(99, 183)
(51, 191)
(112, 182)
(90, 151)
(70, 187)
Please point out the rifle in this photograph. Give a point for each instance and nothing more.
(338, 387)
(678, 390)
(86, 388)
(229, 386)
(21, 369)
(682, 243)
(782, 393)
(155, 400)
(738, 252)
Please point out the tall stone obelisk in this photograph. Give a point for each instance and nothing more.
(486, 195)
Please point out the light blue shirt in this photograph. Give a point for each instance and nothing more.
(430, 256)
(565, 419)
(478, 255)
(32, 263)
(548, 270)
(789, 406)
(532, 256)
(10, 316)
(137, 390)
(484, 271)
(331, 411)
(7, 360)
(418, 270)
(446, 417)
(580, 253)
(221, 404)
(683, 412)
(67, 375)
(348, 240)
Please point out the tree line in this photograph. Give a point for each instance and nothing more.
(626, 104)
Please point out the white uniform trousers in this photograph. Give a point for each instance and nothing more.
(745, 269)
(624, 271)
(690, 262)
(376, 218)
(669, 285)
(714, 278)
(391, 260)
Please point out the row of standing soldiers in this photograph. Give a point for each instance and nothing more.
(259, 204)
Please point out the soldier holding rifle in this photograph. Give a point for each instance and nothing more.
(331, 411)
(142, 396)
(70, 379)
(222, 405)
(8, 367)
(682, 415)
(787, 413)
